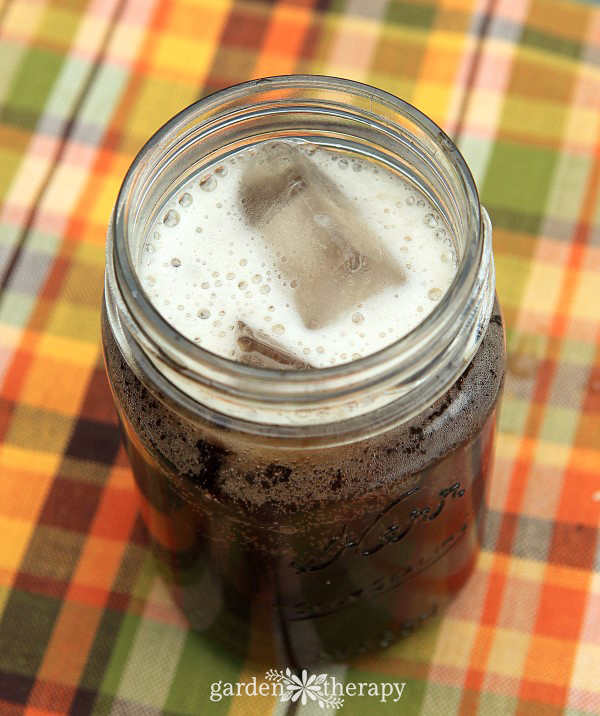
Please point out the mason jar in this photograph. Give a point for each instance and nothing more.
(309, 515)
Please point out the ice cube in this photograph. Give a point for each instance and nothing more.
(262, 352)
(322, 245)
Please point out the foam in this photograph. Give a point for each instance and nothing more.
(209, 270)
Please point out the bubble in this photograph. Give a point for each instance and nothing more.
(205, 284)
(356, 356)
(221, 171)
(248, 294)
(219, 283)
(264, 289)
(398, 204)
(150, 248)
(343, 164)
(150, 280)
(257, 278)
(171, 218)
(242, 285)
(271, 308)
(243, 262)
(440, 234)
(358, 318)
(185, 200)
(230, 276)
(209, 183)
(408, 238)
(420, 203)
(156, 236)
(404, 249)
(447, 257)
(198, 229)
(180, 308)
(410, 200)
(204, 313)
(357, 167)
(176, 263)
(320, 349)
(430, 221)
(306, 351)
(435, 294)
(278, 329)
(420, 309)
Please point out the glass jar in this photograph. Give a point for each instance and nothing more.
(317, 514)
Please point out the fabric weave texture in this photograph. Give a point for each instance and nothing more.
(87, 627)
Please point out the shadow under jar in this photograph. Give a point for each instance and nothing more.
(307, 515)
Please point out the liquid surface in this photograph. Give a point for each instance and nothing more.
(292, 256)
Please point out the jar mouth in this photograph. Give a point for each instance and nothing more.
(400, 367)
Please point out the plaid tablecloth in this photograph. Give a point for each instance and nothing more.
(86, 625)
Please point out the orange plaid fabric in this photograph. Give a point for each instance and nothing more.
(86, 625)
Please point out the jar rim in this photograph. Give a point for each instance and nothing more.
(397, 363)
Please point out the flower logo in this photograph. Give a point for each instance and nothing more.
(300, 688)
(304, 687)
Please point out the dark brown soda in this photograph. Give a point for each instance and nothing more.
(296, 555)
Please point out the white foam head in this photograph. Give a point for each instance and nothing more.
(216, 276)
